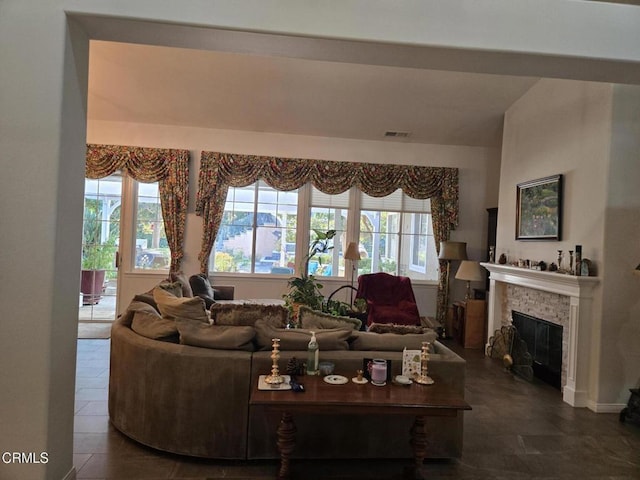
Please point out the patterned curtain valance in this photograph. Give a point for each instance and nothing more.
(219, 171)
(377, 180)
(168, 167)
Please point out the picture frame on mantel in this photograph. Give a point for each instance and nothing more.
(539, 209)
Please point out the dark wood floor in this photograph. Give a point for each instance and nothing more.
(516, 430)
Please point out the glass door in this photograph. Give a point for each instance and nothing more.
(100, 242)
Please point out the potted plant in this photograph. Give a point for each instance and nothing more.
(305, 289)
(96, 259)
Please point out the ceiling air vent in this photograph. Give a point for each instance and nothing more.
(392, 133)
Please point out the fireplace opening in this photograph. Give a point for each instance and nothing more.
(544, 343)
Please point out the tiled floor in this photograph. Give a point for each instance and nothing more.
(94, 329)
(516, 430)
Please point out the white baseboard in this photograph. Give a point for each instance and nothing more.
(605, 407)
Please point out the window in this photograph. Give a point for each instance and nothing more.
(329, 212)
(101, 225)
(151, 249)
(258, 231)
(418, 242)
(100, 239)
(397, 236)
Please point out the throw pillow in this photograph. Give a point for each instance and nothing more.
(174, 288)
(393, 328)
(391, 342)
(298, 338)
(201, 287)
(152, 325)
(248, 313)
(172, 307)
(181, 278)
(147, 298)
(223, 337)
(315, 319)
(136, 306)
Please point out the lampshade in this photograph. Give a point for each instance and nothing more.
(352, 252)
(470, 271)
(453, 250)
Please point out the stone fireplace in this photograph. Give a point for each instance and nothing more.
(559, 299)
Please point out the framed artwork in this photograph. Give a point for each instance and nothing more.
(539, 209)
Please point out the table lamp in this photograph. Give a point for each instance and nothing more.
(471, 272)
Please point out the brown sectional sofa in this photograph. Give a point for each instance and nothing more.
(195, 401)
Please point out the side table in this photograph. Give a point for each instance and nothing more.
(468, 322)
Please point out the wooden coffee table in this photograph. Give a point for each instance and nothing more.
(352, 399)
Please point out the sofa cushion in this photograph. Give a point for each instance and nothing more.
(298, 338)
(181, 278)
(248, 313)
(315, 319)
(152, 325)
(391, 342)
(172, 307)
(221, 337)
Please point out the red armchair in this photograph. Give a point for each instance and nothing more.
(390, 299)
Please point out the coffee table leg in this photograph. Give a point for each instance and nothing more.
(286, 443)
(419, 444)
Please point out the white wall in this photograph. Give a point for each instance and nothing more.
(620, 346)
(478, 168)
(42, 131)
(561, 127)
(590, 133)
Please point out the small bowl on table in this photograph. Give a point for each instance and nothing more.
(326, 368)
(402, 380)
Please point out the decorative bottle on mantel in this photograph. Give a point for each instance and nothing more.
(578, 260)
(313, 353)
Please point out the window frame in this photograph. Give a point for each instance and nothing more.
(254, 227)
(416, 267)
(351, 232)
(133, 188)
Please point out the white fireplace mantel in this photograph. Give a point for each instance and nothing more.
(562, 284)
(580, 292)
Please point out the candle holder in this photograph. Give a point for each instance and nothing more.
(560, 261)
(571, 262)
(423, 378)
(275, 378)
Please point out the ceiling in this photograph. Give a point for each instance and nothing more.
(267, 93)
